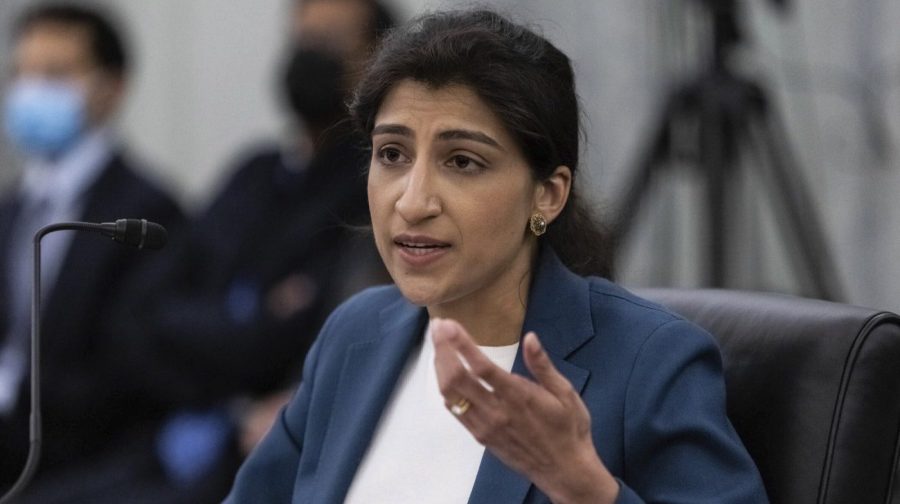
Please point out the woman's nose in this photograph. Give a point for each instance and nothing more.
(419, 200)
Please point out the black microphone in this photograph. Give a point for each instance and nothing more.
(139, 233)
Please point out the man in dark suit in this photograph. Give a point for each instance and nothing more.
(70, 71)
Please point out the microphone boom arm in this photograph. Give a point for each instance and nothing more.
(152, 236)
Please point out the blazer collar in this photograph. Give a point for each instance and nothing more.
(558, 311)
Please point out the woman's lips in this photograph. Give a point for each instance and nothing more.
(420, 250)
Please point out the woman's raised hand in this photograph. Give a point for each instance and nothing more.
(540, 428)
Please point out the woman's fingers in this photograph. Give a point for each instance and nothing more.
(538, 362)
(455, 377)
(453, 343)
(492, 395)
(533, 426)
(452, 334)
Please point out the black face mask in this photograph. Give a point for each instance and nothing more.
(313, 82)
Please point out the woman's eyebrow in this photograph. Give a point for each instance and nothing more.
(452, 134)
(462, 134)
(392, 129)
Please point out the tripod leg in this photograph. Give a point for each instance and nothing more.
(716, 163)
(652, 156)
(800, 213)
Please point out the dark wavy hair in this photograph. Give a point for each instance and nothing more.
(526, 81)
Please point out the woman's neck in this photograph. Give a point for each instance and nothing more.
(496, 323)
(493, 316)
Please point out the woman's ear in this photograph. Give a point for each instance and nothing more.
(551, 194)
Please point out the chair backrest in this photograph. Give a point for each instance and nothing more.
(813, 390)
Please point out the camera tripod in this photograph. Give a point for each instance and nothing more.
(734, 118)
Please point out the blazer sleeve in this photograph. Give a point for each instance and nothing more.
(269, 472)
(679, 444)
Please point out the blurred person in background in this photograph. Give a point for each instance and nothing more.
(70, 69)
(264, 264)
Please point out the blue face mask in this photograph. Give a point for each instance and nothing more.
(43, 117)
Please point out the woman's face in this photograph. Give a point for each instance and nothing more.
(450, 195)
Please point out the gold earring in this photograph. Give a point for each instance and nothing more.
(537, 224)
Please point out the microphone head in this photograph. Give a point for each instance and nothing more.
(140, 233)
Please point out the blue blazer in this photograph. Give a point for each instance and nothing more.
(651, 380)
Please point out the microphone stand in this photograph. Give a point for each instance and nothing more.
(34, 438)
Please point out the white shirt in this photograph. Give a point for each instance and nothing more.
(420, 452)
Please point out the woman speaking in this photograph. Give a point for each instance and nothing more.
(501, 367)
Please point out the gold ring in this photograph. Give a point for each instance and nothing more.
(460, 407)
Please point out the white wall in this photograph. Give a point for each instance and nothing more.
(204, 85)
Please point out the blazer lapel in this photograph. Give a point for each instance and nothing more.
(559, 313)
(370, 372)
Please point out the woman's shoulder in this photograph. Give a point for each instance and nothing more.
(610, 296)
(617, 310)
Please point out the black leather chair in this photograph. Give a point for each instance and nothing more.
(813, 390)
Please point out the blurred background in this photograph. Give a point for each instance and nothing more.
(205, 78)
